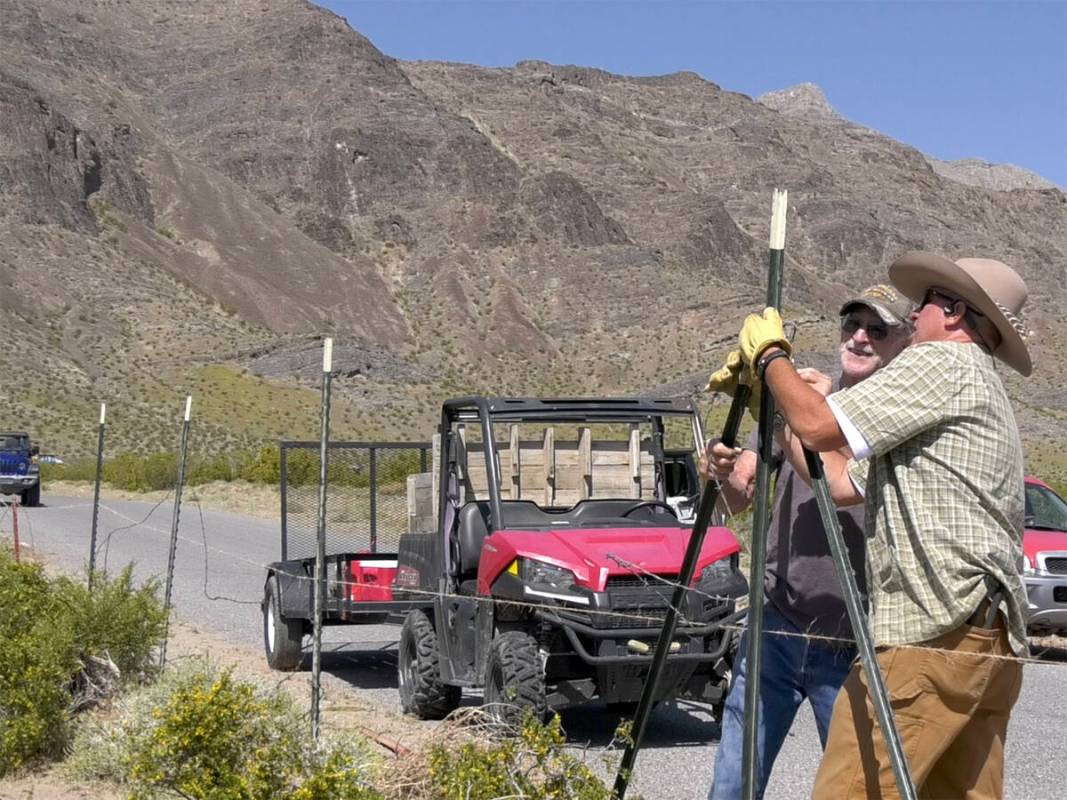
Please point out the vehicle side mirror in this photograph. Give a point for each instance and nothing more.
(35, 450)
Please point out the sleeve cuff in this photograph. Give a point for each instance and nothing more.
(856, 441)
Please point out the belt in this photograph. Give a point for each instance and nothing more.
(985, 615)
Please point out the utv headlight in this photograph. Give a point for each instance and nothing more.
(547, 577)
(548, 580)
(718, 572)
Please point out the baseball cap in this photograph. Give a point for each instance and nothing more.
(891, 306)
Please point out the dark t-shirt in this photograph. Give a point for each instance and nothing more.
(800, 580)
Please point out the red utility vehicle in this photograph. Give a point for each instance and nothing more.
(546, 576)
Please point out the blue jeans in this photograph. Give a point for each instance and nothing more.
(794, 668)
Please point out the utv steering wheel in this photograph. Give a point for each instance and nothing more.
(649, 504)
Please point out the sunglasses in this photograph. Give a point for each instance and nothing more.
(876, 331)
(949, 307)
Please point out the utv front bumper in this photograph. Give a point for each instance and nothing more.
(622, 624)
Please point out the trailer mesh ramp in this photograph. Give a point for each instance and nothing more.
(366, 495)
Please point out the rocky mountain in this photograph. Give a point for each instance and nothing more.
(194, 193)
(1002, 177)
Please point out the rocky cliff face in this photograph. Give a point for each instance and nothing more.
(221, 183)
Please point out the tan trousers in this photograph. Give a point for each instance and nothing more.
(952, 713)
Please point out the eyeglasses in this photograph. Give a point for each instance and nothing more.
(876, 331)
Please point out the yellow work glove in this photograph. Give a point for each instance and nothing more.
(759, 332)
(732, 374)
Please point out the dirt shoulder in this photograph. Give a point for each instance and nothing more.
(237, 497)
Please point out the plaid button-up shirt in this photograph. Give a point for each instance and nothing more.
(944, 491)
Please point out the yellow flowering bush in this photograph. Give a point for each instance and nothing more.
(205, 735)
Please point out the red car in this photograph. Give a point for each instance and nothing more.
(1045, 559)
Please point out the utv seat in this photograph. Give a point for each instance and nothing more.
(473, 526)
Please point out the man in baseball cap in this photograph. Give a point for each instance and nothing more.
(943, 487)
(800, 586)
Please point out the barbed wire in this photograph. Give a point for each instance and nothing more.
(555, 608)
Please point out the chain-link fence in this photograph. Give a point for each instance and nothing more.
(366, 497)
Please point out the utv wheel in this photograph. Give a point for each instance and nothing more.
(514, 679)
(418, 671)
(282, 637)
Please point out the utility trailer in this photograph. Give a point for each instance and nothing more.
(363, 526)
(538, 564)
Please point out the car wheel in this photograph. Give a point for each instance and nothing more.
(422, 692)
(282, 637)
(514, 679)
(32, 496)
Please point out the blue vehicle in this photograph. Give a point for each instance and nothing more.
(19, 471)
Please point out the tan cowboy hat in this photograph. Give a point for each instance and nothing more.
(988, 286)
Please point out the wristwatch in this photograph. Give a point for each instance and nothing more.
(764, 361)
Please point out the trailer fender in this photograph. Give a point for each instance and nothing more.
(295, 588)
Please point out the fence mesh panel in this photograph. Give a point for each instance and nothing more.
(366, 495)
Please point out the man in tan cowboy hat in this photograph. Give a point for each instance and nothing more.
(943, 488)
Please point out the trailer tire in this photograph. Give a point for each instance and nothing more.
(514, 679)
(422, 692)
(282, 637)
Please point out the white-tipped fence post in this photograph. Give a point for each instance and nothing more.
(320, 553)
(183, 446)
(96, 493)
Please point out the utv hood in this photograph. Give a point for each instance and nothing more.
(594, 554)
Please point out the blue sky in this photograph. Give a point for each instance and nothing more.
(955, 79)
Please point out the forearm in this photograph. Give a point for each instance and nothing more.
(804, 409)
(835, 467)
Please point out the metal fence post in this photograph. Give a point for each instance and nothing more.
(96, 493)
(761, 520)
(283, 454)
(15, 528)
(696, 540)
(864, 641)
(320, 553)
(174, 528)
(373, 500)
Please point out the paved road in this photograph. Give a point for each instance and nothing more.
(219, 587)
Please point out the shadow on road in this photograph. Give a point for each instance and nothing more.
(360, 668)
(671, 725)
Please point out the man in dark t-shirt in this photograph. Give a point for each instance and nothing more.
(807, 645)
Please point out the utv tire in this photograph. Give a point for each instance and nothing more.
(514, 679)
(32, 496)
(282, 637)
(419, 673)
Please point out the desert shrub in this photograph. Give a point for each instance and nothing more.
(532, 765)
(37, 661)
(142, 473)
(118, 619)
(62, 648)
(220, 467)
(200, 733)
(264, 467)
(83, 469)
